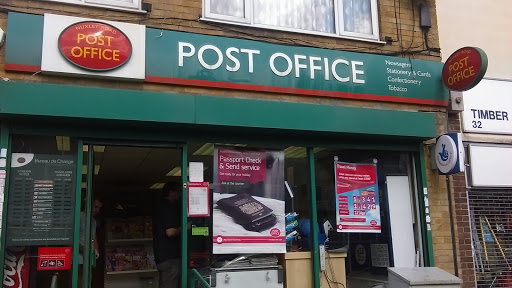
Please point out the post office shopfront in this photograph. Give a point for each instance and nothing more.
(282, 126)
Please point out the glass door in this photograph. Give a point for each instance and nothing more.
(123, 186)
(89, 206)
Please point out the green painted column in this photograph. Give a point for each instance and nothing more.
(184, 230)
(78, 197)
(425, 209)
(88, 219)
(315, 254)
(4, 144)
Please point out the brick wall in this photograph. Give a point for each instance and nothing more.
(183, 15)
(441, 196)
(440, 215)
(461, 218)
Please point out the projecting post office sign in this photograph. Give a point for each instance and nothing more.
(464, 68)
(95, 46)
(104, 49)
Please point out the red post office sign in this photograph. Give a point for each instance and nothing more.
(464, 68)
(95, 46)
(54, 258)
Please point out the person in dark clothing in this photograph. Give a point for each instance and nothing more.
(167, 236)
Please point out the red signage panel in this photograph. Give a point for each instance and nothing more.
(358, 208)
(464, 69)
(95, 46)
(54, 258)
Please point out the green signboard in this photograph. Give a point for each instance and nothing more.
(211, 61)
(42, 200)
(181, 58)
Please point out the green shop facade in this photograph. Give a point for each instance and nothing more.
(67, 123)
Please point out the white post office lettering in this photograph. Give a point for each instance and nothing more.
(187, 50)
(353, 67)
(280, 64)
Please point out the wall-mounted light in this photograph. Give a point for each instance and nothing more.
(157, 186)
(425, 19)
(96, 169)
(299, 152)
(176, 171)
(2, 37)
(207, 148)
(63, 143)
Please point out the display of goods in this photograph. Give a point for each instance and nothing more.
(129, 258)
(131, 228)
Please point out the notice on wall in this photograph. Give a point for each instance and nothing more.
(3, 174)
(195, 172)
(42, 210)
(357, 198)
(249, 206)
(380, 255)
(198, 199)
(54, 258)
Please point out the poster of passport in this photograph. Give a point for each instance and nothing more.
(248, 201)
(357, 198)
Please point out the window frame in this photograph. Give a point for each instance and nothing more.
(232, 19)
(375, 22)
(133, 6)
(248, 20)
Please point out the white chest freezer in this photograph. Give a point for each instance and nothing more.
(261, 277)
(421, 277)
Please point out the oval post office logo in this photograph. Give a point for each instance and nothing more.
(464, 69)
(95, 46)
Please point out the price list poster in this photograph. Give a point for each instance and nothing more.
(42, 203)
(357, 198)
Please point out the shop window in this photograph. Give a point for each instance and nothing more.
(345, 18)
(254, 175)
(366, 205)
(40, 211)
(113, 4)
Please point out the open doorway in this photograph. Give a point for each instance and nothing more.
(127, 182)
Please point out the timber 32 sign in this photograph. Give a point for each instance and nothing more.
(95, 46)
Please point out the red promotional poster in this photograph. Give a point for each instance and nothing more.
(248, 198)
(16, 267)
(54, 258)
(357, 198)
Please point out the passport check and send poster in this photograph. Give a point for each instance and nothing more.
(248, 201)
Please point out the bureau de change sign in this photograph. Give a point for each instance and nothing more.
(41, 200)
